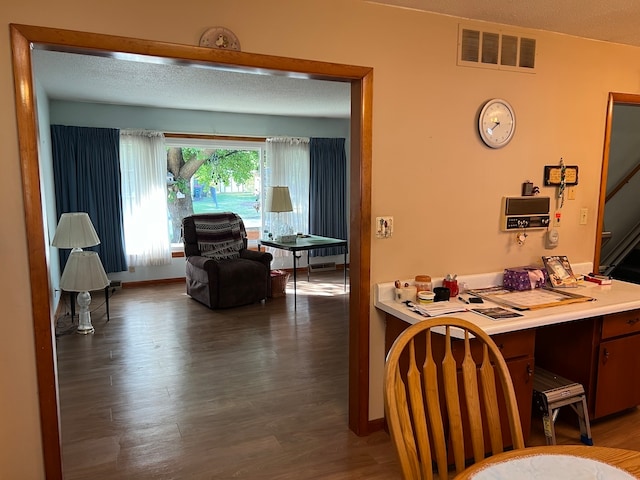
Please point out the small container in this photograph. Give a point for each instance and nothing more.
(452, 285)
(442, 294)
(404, 294)
(423, 283)
(426, 296)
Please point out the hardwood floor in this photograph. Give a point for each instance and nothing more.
(169, 389)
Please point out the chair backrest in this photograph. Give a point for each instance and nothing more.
(440, 390)
(204, 231)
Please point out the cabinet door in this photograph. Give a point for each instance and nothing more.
(522, 377)
(618, 385)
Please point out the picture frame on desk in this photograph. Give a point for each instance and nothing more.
(560, 271)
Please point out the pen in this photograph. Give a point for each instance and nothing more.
(463, 300)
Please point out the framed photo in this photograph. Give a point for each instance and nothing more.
(560, 271)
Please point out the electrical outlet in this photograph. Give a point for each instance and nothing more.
(556, 219)
(384, 227)
(584, 216)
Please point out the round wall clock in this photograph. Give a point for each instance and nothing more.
(497, 123)
(220, 37)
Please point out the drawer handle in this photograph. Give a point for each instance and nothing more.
(605, 356)
(529, 370)
(501, 346)
(633, 321)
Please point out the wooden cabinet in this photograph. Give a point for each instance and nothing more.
(517, 349)
(602, 353)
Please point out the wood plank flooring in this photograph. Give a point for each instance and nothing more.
(169, 389)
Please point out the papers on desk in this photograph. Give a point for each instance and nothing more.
(435, 309)
(496, 313)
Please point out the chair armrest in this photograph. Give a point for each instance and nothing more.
(202, 263)
(263, 257)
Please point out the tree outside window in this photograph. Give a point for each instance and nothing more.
(203, 180)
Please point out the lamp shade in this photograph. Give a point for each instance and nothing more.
(75, 230)
(83, 273)
(278, 200)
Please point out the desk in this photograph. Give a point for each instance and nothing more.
(605, 336)
(307, 243)
(627, 460)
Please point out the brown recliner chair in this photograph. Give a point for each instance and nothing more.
(221, 271)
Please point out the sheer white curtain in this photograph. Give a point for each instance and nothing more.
(288, 165)
(143, 166)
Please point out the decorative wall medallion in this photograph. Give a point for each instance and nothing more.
(220, 37)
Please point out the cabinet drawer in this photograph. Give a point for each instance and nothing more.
(516, 344)
(622, 323)
(511, 345)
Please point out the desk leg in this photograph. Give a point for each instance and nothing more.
(72, 302)
(345, 269)
(106, 300)
(295, 276)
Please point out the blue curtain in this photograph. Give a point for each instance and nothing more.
(328, 191)
(86, 168)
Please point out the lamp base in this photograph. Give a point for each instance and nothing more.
(84, 316)
(84, 330)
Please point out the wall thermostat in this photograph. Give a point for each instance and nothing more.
(524, 212)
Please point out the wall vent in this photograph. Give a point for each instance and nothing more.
(322, 267)
(496, 49)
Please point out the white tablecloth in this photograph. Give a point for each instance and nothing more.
(552, 467)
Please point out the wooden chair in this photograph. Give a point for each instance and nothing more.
(452, 382)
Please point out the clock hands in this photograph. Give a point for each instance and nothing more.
(495, 124)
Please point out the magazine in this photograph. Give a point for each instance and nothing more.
(560, 272)
(496, 313)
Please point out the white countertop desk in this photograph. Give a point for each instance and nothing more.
(618, 297)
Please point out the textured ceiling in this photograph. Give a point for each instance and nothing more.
(84, 78)
(607, 20)
(107, 80)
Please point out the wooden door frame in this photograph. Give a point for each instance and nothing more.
(23, 37)
(615, 98)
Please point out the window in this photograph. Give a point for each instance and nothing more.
(212, 175)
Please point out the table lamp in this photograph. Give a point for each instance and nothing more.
(75, 231)
(83, 273)
(278, 200)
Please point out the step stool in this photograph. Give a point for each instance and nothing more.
(550, 393)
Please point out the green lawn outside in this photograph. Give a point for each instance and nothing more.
(244, 204)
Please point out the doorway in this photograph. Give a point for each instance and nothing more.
(23, 37)
(618, 225)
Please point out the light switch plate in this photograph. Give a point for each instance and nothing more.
(384, 227)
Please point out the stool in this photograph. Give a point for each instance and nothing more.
(550, 392)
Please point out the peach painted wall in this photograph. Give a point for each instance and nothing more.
(430, 170)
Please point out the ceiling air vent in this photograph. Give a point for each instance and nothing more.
(496, 49)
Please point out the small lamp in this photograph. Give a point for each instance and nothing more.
(75, 231)
(278, 200)
(83, 273)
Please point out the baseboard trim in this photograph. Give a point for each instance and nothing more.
(157, 281)
(376, 425)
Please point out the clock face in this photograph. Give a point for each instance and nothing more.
(497, 123)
